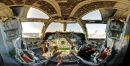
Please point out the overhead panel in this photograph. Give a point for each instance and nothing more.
(92, 6)
(47, 7)
(30, 2)
(59, 1)
(67, 6)
(7, 2)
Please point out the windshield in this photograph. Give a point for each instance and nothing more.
(35, 13)
(70, 27)
(74, 27)
(32, 29)
(53, 27)
(96, 30)
(94, 15)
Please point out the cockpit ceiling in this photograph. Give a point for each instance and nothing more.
(68, 9)
(92, 6)
(47, 7)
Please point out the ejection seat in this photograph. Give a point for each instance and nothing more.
(11, 36)
(112, 42)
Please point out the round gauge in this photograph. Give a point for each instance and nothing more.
(51, 38)
(78, 38)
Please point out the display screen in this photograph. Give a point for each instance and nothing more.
(78, 38)
(51, 37)
(62, 42)
(11, 33)
(64, 48)
(54, 42)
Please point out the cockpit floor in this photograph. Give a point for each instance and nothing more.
(71, 64)
(38, 53)
(66, 58)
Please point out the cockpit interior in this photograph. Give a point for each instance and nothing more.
(61, 32)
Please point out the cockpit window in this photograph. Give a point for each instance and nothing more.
(96, 30)
(54, 26)
(35, 13)
(94, 15)
(74, 27)
(32, 27)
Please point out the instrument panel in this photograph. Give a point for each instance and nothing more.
(64, 41)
